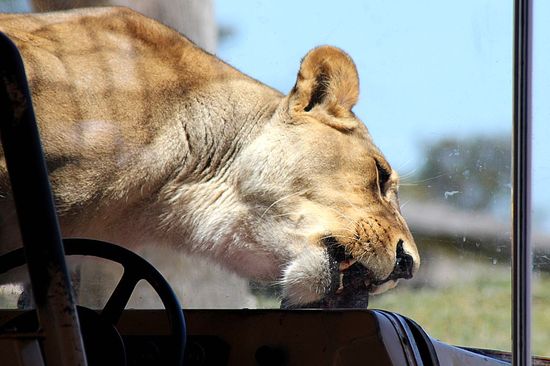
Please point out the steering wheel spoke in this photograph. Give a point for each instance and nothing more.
(121, 295)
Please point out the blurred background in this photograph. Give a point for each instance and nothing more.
(436, 95)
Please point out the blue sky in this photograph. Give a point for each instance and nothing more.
(429, 68)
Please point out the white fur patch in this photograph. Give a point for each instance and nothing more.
(307, 278)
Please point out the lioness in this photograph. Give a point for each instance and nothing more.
(150, 139)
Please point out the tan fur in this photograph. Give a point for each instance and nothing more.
(150, 139)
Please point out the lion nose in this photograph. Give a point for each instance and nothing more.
(404, 263)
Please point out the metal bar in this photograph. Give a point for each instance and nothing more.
(38, 223)
(521, 186)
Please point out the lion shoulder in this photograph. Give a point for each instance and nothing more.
(125, 87)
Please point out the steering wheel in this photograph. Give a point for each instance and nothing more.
(102, 323)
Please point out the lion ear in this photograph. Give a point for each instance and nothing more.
(327, 82)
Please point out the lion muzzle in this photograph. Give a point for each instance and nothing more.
(352, 281)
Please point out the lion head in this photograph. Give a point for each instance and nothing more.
(321, 196)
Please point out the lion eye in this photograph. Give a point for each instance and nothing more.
(383, 178)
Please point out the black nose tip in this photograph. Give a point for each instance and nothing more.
(404, 263)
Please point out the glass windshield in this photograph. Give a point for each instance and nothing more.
(436, 94)
(436, 97)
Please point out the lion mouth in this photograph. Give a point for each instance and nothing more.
(347, 282)
(353, 290)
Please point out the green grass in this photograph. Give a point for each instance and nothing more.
(475, 314)
(541, 315)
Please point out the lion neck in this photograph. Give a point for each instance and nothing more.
(218, 122)
(214, 125)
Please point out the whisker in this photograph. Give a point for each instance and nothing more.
(404, 164)
(287, 214)
(362, 256)
(342, 215)
(350, 203)
(404, 204)
(348, 229)
(282, 199)
(423, 180)
(407, 175)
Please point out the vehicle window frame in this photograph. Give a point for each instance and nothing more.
(521, 184)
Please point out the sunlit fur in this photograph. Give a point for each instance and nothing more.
(151, 140)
